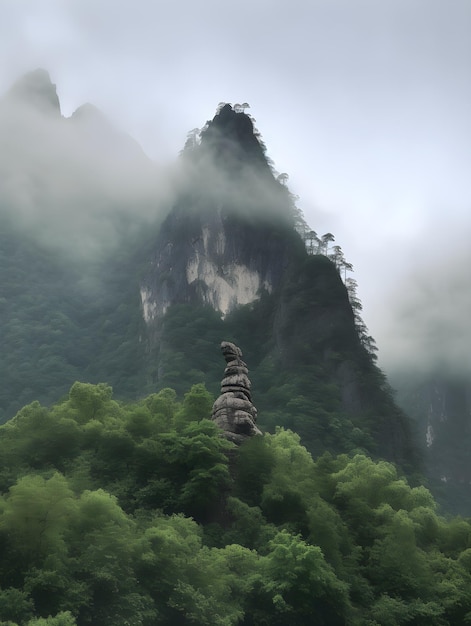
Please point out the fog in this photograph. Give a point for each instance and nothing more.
(425, 324)
(79, 185)
(76, 184)
(364, 104)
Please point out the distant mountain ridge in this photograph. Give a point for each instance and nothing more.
(440, 405)
(36, 90)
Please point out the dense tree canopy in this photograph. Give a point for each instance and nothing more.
(142, 514)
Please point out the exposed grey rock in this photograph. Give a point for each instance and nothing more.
(233, 411)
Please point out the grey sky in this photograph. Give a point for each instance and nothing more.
(364, 103)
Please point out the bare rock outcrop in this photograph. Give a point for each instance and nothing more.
(233, 411)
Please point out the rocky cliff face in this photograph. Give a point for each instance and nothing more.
(228, 263)
(230, 244)
(215, 258)
(225, 241)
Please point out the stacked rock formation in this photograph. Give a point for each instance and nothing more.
(233, 411)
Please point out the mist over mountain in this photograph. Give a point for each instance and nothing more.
(158, 314)
(230, 250)
(425, 323)
(76, 184)
(213, 248)
(426, 336)
(127, 457)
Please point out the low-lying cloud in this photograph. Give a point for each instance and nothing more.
(426, 323)
(74, 182)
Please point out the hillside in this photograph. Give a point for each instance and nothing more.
(73, 192)
(135, 486)
(99, 291)
(230, 263)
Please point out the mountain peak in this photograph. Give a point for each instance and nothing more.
(36, 89)
(88, 110)
(231, 137)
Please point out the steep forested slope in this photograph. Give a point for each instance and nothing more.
(150, 309)
(63, 321)
(68, 270)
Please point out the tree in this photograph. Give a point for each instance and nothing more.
(240, 108)
(396, 564)
(197, 405)
(220, 106)
(39, 437)
(352, 286)
(366, 339)
(64, 618)
(162, 405)
(326, 239)
(347, 267)
(192, 140)
(190, 583)
(300, 223)
(92, 402)
(15, 605)
(291, 479)
(303, 588)
(104, 547)
(205, 465)
(337, 257)
(283, 178)
(312, 242)
(36, 516)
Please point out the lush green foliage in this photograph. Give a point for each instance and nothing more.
(64, 319)
(141, 514)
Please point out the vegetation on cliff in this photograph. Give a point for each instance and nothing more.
(67, 319)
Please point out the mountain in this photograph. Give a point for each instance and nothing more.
(102, 287)
(73, 191)
(145, 504)
(439, 402)
(73, 181)
(35, 90)
(229, 263)
(228, 237)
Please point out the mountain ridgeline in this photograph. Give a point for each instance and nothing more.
(227, 263)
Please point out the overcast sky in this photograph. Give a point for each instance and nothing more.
(364, 103)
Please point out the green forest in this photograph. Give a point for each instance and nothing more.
(138, 514)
